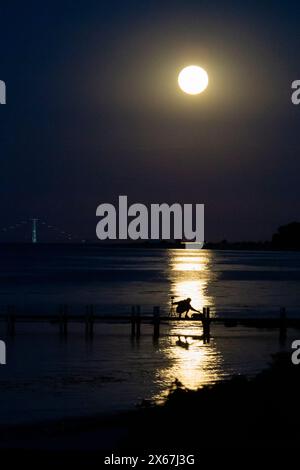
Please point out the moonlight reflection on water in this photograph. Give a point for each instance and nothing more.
(189, 274)
(189, 360)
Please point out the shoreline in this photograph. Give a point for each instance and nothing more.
(241, 410)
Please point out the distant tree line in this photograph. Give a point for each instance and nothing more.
(287, 237)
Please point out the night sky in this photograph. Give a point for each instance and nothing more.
(94, 111)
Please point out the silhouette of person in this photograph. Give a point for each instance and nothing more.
(184, 306)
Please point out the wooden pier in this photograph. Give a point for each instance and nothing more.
(136, 320)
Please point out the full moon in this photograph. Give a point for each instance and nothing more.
(193, 79)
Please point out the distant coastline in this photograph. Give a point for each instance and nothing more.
(287, 238)
(239, 246)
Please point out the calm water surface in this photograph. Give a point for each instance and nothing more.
(115, 278)
(47, 377)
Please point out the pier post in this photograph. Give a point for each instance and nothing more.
(92, 320)
(204, 321)
(89, 320)
(133, 321)
(138, 321)
(282, 323)
(65, 320)
(11, 320)
(61, 319)
(156, 322)
(206, 324)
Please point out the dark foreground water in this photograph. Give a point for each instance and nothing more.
(48, 377)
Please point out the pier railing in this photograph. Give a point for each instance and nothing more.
(136, 319)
